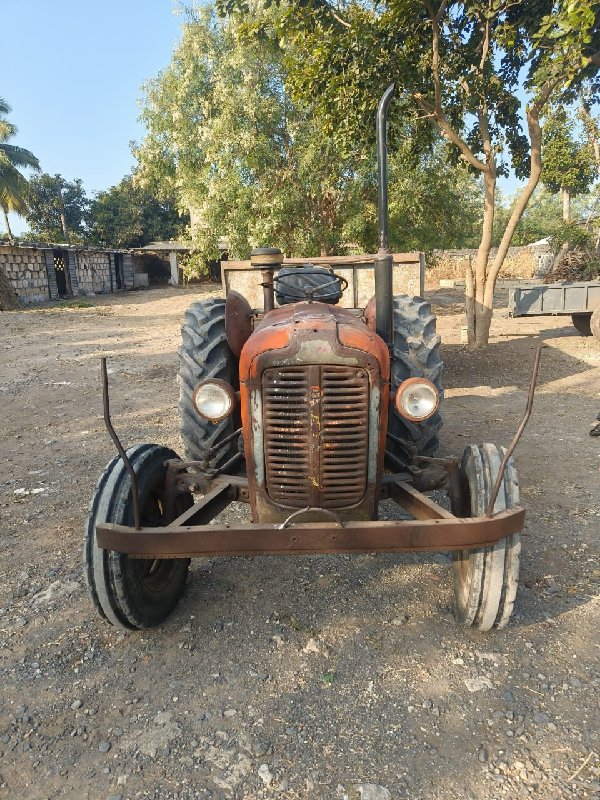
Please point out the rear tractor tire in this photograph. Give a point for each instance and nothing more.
(486, 579)
(416, 355)
(204, 353)
(129, 592)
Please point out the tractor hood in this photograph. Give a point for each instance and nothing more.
(316, 327)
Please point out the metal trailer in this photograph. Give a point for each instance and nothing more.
(580, 301)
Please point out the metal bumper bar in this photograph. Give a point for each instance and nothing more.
(434, 529)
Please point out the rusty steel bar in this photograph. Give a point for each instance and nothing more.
(534, 373)
(418, 504)
(113, 435)
(209, 506)
(311, 537)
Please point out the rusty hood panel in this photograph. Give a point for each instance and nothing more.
(318, 321)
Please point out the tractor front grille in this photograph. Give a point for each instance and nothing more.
(316, 435)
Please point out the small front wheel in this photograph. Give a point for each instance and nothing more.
(130, 592)
(486, 579)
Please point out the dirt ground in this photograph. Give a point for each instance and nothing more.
(314, 677)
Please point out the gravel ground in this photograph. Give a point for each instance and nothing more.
(314, 677)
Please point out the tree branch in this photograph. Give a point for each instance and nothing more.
(448, 131)
(535, 170)
(437, 111)
(339, 19)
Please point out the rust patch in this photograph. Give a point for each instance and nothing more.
(238, 321)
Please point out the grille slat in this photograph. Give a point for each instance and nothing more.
(316, 435)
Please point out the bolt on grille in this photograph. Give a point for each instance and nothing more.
(316, 435)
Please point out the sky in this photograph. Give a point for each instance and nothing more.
(72, 71)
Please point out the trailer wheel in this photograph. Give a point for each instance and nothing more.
(204, 353)
(416, 355)
(127, 592)
(595, 323)
(582, 322)
(486, 579)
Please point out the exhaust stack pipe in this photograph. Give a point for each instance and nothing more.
(384, 322)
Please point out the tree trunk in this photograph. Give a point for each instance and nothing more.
(63, 224)
(11, 238)
(470, 300)
(483, 310)
(566, 203)
(478, 320)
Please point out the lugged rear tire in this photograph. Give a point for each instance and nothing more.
(204, 353)
(416, 355)
(127, 592)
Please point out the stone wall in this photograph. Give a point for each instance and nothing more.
(31, 270)
(528, 261)
(25, 268)
(93, 271)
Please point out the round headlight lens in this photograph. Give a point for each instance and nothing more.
(417, 399)
(213, 400)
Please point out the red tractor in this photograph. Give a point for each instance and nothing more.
(311, 413)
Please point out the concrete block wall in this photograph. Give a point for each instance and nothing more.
(25, 268)
(93, 271)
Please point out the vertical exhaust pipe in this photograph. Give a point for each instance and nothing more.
(384, 322)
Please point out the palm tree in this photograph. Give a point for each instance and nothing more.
(13, 185)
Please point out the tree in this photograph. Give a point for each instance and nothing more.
(127, 215)
(57, 208)
(248, 164)
(13, 185)
(251, 165)
(430, 206)
(568, 165)
(458, 67)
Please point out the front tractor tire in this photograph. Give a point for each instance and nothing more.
(204, 353)
(416, 355)
(128, 592)
(486, 579)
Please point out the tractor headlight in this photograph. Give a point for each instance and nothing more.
(417, 399)
(214, 399)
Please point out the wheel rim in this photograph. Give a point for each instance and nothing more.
(156, 574)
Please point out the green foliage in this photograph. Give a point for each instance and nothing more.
(254, 166)
(75, 304)
(570, 232)
(568, 163)
(194, 265)
(431, 204)
(57, 208)
(13, 185)
(129, 215)
(342, 57)
(247, 162)
(543, 220)
(540, 220)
